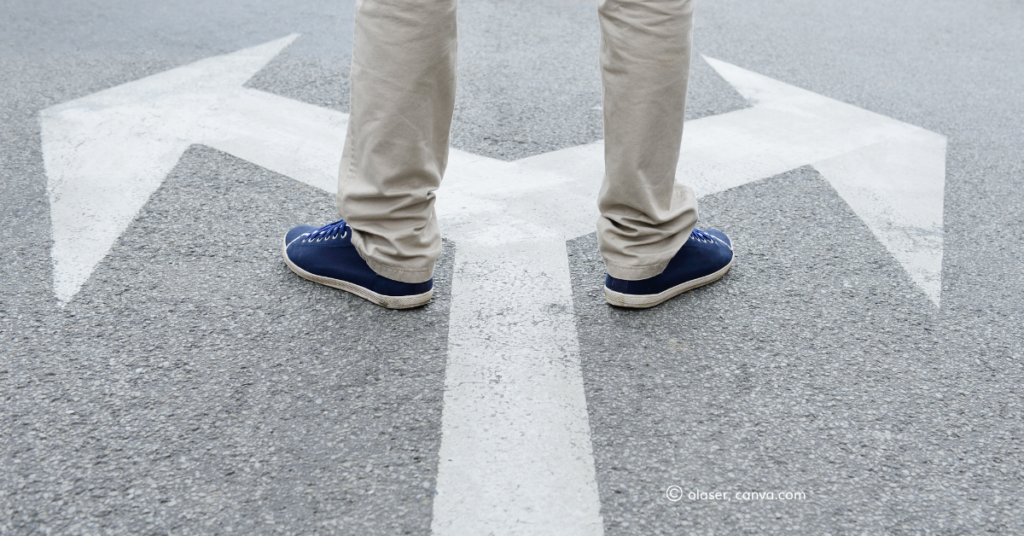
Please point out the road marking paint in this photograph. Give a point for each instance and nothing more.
(515, 454)
(893, 175)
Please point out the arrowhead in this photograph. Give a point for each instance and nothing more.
(897, 188)
(890, 173)
(106, 153)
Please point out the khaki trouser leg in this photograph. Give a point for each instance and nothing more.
(645, 62)
(403, 97)
(403, 94)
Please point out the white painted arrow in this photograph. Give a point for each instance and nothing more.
(892, 174)
(515, 455)
(106, 153)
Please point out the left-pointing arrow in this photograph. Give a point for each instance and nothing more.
(105, 154)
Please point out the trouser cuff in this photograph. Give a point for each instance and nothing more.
(636, 273)
(400, 274)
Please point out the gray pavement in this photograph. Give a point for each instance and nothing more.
(213, 392)
(195, 386)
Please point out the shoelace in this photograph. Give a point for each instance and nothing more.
(329, 231)
(697, 234)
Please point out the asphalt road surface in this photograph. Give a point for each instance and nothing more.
(194, 385)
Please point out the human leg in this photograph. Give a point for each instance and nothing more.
(646, 231)
(645, 62)
(396, 150)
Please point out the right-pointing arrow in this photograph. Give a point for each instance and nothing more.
(892, 174)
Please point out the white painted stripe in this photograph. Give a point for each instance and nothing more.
(295, 139)
(515, 453)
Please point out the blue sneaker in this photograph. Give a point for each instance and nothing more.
(326, 255)
(704, 258)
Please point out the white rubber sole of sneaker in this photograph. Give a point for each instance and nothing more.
(391, 302)
(643, 301)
